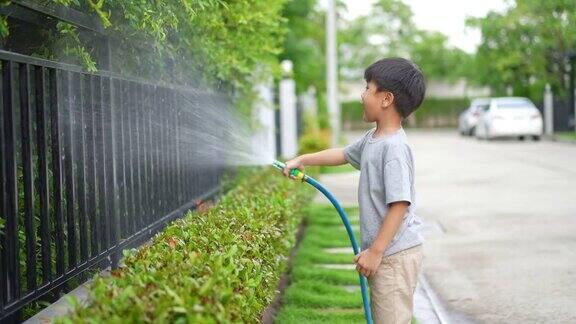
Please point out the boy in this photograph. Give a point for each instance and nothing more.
(391, 256)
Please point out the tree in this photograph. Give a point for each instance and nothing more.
(384, 32)
(526, 47)
(304, 43)
(390, 31)
(438, 60)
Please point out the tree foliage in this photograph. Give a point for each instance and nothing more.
(218, 42)
(304, 43)
(389, 30)
(526, 46)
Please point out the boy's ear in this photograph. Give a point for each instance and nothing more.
(387, 99)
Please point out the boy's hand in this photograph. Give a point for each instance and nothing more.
(367, 262)
(295, 163)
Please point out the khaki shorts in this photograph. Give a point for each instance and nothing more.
(392, 287)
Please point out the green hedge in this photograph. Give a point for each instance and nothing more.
(314, 141)
(434, 112)
(220, 265)
(440, 112)
(351, 111)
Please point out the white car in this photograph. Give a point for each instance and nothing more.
(469, 117)
(510, 117)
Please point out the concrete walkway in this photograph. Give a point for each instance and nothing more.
(508, 210)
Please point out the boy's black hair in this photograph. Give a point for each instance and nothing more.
(401, 77)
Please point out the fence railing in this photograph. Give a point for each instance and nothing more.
(563, 119)
(91, 163)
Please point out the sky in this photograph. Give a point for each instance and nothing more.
(445, 16)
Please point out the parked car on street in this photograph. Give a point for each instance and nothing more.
(509, 117)
(469, 117)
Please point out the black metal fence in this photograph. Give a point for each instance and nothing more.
(563, 115)
(91, 163)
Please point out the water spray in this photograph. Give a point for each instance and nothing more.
(300, 176)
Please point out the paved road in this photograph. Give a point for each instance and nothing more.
(501, 219)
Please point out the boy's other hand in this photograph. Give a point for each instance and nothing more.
(295, 163)
(367, 262)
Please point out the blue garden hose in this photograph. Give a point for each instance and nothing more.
(299, 175)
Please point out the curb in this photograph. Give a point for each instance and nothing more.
(560, 140)
(437, 307)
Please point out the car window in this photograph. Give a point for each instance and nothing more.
(514, 104)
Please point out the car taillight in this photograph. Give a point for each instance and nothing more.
(497, 117)
(475, 114)
(534, 116)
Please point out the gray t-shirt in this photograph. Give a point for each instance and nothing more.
(386, 176)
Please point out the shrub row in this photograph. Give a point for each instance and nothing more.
(221, 265)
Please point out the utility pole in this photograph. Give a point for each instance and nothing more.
(572, 90)
(332, 73)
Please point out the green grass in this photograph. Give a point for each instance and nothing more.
(316, 294)
(337, 169)
(293, 314)
(567, 135)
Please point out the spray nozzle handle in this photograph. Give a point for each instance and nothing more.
(296, 173)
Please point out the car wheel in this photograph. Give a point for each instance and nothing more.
(472, 131)
(521, 137)
(536, 137)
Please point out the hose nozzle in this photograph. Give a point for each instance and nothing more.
(296, 173)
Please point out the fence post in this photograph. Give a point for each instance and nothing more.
(548, 111)
(264, 136)
(288, 134)
(114, 222)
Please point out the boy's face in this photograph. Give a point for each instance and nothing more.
(374, 102)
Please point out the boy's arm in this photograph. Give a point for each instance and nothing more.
(334, 156)
(367, 261)
(389, 226)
